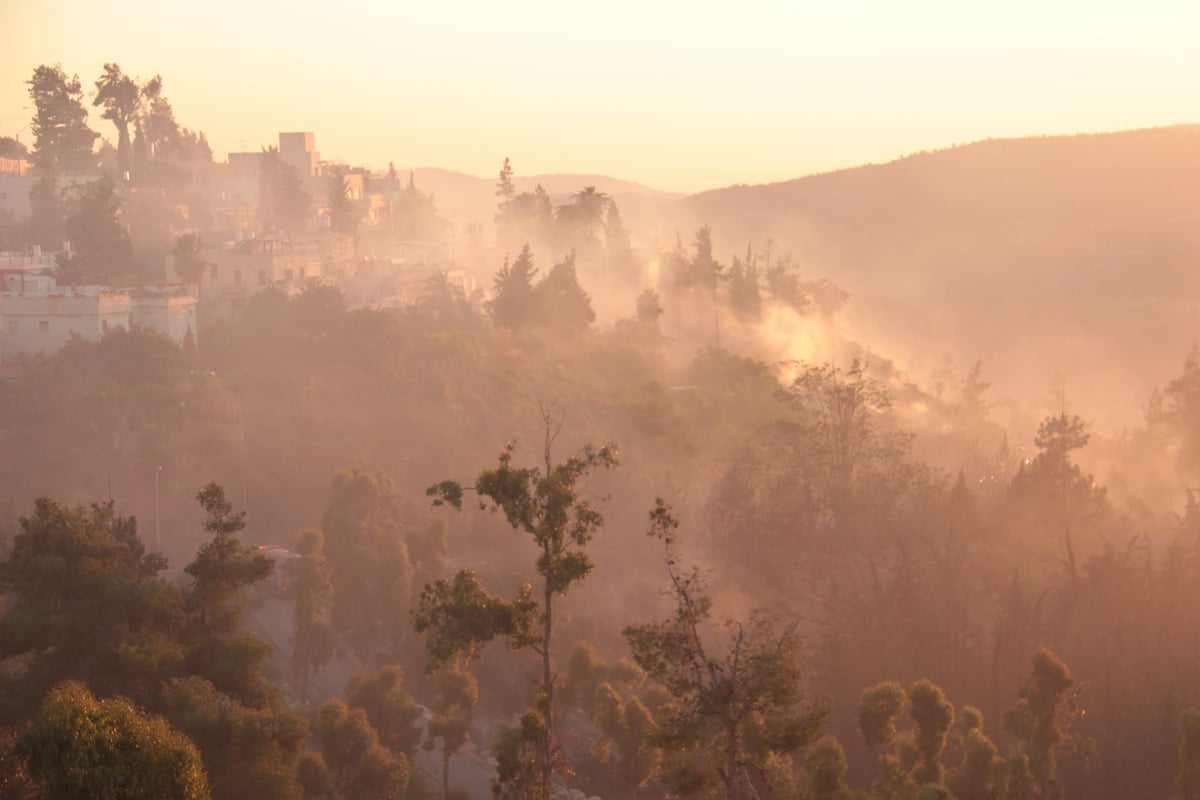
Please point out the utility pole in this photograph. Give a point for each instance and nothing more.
(157, 518)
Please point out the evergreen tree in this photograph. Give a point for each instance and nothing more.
(122, 99)
(283, 203)
(744, 296)
(415, 215)
(219, 649)
(343, 219)
(311, 590)
(188, 252)
(101, 250)
(83, 603)
(513, 302)
(617, 246)
(504, 188)
(649, 308)
(62, 140)
(561, 305)
(371, 571)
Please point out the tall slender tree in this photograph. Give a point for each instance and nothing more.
(122, 99)
(548, 505)
(737, 707)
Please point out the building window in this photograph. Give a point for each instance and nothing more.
(213, 272)
(262, 277)
(288, 274)
(13, 327)
(237, 277)
(104, 325)
(44, 326)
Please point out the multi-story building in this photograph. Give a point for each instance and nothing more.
(243, 268)
(39, 316)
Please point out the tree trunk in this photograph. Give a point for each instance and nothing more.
(547, 680)
(731, 761)
(445, 772)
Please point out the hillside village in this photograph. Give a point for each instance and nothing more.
(371, 258)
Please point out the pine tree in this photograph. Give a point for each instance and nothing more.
(512, 305)
(561, 305)
(62, 139)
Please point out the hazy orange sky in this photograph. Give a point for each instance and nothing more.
(680, 96)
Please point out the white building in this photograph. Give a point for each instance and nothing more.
(39, 316)
(244, 268)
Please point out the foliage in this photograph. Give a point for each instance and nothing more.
(62, 139)
(550, 508)
(521, 217)
(283, 202)
(11, 147)
(459, 616)
(188, 251)
(101, 250)
(368, 556)
(122, 98)
(83, 603)
(744, 295)
(734, 706)
(311, 589)
(512, 305)
(454, 710)
(1037, 722)
(79, 746)
(219, 649)
(415, 216)
(249, 752)
(563, 307)
(826, 767)
(358, 767)
(389, 708)
(343, 217)
(649, 307)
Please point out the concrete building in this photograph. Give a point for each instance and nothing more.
(39, 316)
(299, 150)
(32, 260)
(243, 268)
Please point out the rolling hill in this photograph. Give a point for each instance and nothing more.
(1072, 258)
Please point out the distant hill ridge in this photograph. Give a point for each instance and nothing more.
(1076, 256)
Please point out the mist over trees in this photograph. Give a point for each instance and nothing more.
(858, 583)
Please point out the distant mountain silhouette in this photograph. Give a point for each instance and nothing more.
(1072, 256)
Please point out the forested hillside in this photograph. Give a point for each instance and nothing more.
(796, 487)
(1078, 249)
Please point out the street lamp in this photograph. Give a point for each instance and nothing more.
(157, 526)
